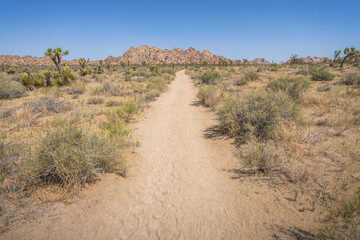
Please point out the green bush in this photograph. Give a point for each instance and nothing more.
(10, 90)
(351, 79)
(69, 155)
(251, 76)
(321, 75)
(141, 74)
(11, 71)
(39, 80)
(256, 158)
(67, 76)
(27, 80)
(86, 71)
(157, 84)
(257, 115)
(168, 71)
(209, 77)
(294, 87)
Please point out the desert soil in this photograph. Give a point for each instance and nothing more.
(181, 185)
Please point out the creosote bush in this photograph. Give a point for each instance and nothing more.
(209, 77)
(321, 75)
(294, 87)
(70, 155)
(257, 115)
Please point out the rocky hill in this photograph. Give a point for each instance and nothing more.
(139, 55)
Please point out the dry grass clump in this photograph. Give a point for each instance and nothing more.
(109, 89)
(68, 155)
(351, 79)
(76, 88)
(95, 101)
(210, 95)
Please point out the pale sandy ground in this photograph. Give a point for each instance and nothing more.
(180, 186)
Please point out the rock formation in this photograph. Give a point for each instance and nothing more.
(139, 55)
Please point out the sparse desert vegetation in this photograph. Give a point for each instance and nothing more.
(64, 127)
(297, 126)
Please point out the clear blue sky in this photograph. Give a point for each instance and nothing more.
(235, 29)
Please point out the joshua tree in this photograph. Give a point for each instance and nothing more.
(56, 54)
(107, 63)
(294, 59)
(337, 54)
(100, 63)
(245, 61)
(83, 62)
(349, 53)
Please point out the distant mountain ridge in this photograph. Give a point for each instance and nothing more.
(139, 55)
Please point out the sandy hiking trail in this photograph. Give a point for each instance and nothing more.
(180, 186)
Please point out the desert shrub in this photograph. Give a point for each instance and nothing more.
(39, 80)
(27, 80)
(351, 79)
(152, 95)
(70, 155)
(17, 77)
(112, 103)
(302, 71)
(209, 77)
(154, 70)
(256, 157)
(10, 90)
(95, 101)
(86, 71)
(76, 88)
(168, 71)
(343, 218)
(210, 95)
(321, 75)
(67, 76)
(157, 84)
(11, 71)
(294, 87)
(251, 76)
(125, 112)
(109, 89)
(141, 74)
(256, 115)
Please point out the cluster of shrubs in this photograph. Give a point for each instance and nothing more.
(48, 78)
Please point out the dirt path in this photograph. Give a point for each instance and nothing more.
(180, 187)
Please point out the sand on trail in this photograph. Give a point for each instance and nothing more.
(180, 186)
